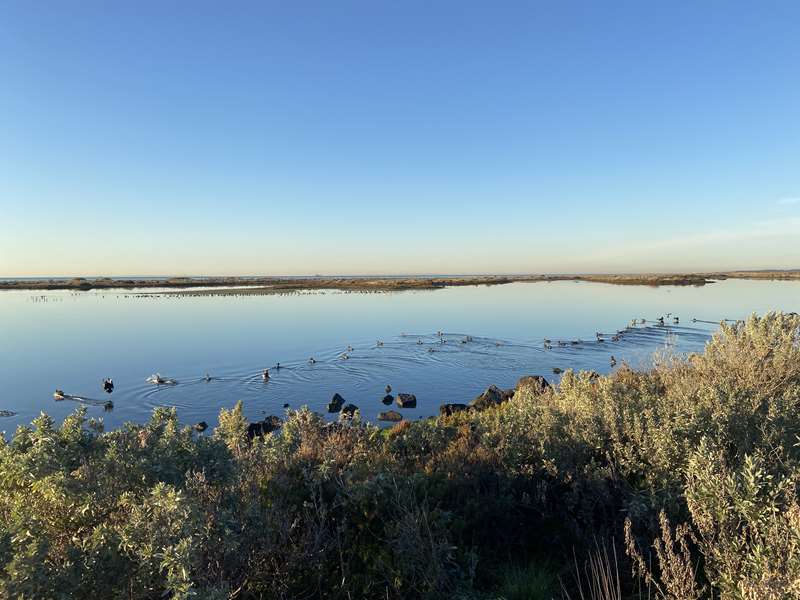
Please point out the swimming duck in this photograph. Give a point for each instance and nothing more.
(613, 361)
(59, 395)
(388, 389)
(311, 360)
(207, 377)
(108, 385)
(265, 374)
(379, 343)
(676, 321)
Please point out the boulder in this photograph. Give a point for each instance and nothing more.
(406, 400)
(450, 409)
(336, 403)
(390, 415)
(259, 428)
(534, 384)
(388, 399)
(347, 412)
(491, 397)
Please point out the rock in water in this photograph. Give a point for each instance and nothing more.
(348, 411)
(406, 400)
(390, 415)
(336, 403)
(491, 397)
(534, 384)
(450, 409)
(268, 425)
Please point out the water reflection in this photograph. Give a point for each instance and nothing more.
(443, 346)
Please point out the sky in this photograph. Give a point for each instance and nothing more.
(376, 137)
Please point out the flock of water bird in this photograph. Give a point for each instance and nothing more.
(640, 328)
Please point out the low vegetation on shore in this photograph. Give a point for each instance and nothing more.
(269, 285)
(680, 482)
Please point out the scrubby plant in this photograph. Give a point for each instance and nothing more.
(465, 506)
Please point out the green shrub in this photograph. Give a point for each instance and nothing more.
(470, 505)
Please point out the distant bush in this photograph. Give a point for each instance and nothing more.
(497, 503)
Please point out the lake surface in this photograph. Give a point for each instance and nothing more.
(72, 341)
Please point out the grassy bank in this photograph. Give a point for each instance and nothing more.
(270, 285)
(680, 482)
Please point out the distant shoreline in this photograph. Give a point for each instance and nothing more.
(267, 285)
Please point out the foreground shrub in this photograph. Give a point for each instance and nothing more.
(502, 502)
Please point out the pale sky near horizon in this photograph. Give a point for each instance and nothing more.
(150, 138)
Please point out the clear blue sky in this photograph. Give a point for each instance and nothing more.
(398, 137)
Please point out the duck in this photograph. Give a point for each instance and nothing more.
(344, 356)
(311, 360)
(557, 370)
(388, 389)
(108, 385)
(379, 343)
(109, 405)
(265, 374)
(207, 377)
(277, 366)
(676, 320)
(660, 320)
(59, 394)
(613, 361)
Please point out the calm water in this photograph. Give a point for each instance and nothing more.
(73, 340)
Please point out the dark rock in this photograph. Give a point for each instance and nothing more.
(390, 415)
(450, 409)
(557, 370)
(348, 411)
(285, 405)
(268, 425)
(336, 403)
(201, 426)
(535, 384)
(491, 397)
(388, 399)
(406, 400)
